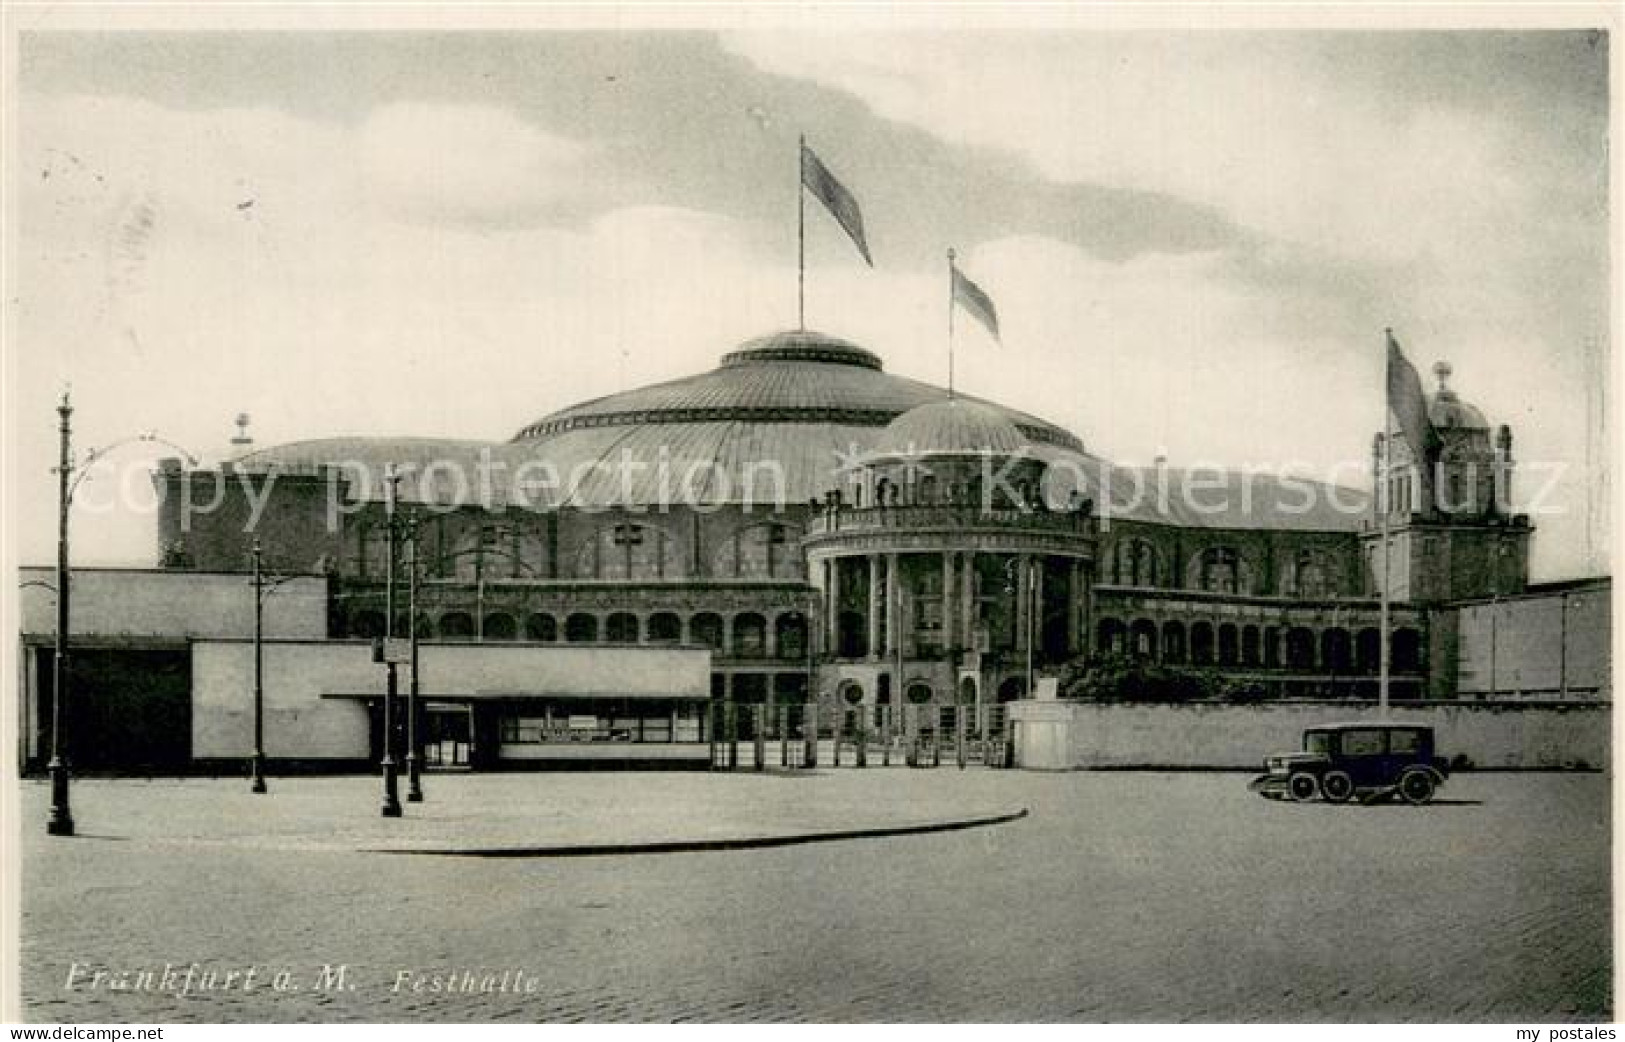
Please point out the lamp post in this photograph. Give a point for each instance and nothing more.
(1032, 610)
(391, 806)
(61, 820)
(263, 588)
(257, 762)
(414, 762)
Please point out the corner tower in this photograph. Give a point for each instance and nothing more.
(1452, 531)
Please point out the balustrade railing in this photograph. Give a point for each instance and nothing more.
(948, 515)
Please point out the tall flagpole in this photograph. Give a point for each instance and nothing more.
(950, 322)
(801, 237)
(1385, 506)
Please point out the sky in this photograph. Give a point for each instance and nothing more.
(1195, 240)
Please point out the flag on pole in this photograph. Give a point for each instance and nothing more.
(842, 204)
(1408, 403)
(969, 295)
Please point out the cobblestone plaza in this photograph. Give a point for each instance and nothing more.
(1121, 897)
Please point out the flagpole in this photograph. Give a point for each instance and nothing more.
(950, 322)
(1385, 506)
(801, 237)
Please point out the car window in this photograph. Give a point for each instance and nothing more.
(1407, 743)
(1362, 743)
(1317, 742)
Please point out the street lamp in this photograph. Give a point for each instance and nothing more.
(262, 590)
(257, 763)
(60, 822)
(414, 762)
(391, 807)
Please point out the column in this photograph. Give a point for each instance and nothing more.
(967, 600)
(896, 642)
(831, 578)
(948, 627)
(874, 606)
(1024, 598)
(730, 721)
(1075, 608)
(1038, 605)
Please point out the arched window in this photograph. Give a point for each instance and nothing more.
(499, 625)
(761, 551)
(1368, 650)
(1112, 636)
(581, 628)
(1173, 643)
(706, 628)
(1228, 649)
(457, 625)
(621, 628)
(750, 635)
(541, 626)
(919, 693)
(1300, 648)
(1221, 569)
(1249, 646)
(665, 628)
(472, 551)
(1310, 575)
(1143, 639)
(1407, 650)
(1136, 563)
(790, 635)
(629, 551)
(1201, 644)
(1336, 651)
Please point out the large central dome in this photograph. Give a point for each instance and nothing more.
(785, 378)
(781, 421)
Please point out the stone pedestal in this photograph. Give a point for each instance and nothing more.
(1042, 732)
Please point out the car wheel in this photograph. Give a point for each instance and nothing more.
(1303, 787)
(1337, 786)
(1417, 787)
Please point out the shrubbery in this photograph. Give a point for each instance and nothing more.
(1118, 678)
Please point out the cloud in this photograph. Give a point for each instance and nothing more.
(465, 163)
(1269, 128)
(428, 267)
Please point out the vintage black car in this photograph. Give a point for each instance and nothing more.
(1367, 760)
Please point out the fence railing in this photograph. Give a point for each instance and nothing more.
(747, 736)
(951, 515)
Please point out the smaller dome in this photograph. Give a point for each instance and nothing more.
(951, 427)
(1446, 409)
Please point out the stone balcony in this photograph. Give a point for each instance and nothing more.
(950, 517)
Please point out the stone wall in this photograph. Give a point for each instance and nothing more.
(1068, 735)
(132, 603)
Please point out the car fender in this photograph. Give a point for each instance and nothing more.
(1438, 775)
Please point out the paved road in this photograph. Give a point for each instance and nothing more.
(1122, 897)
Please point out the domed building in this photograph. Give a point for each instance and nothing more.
(832, 535)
